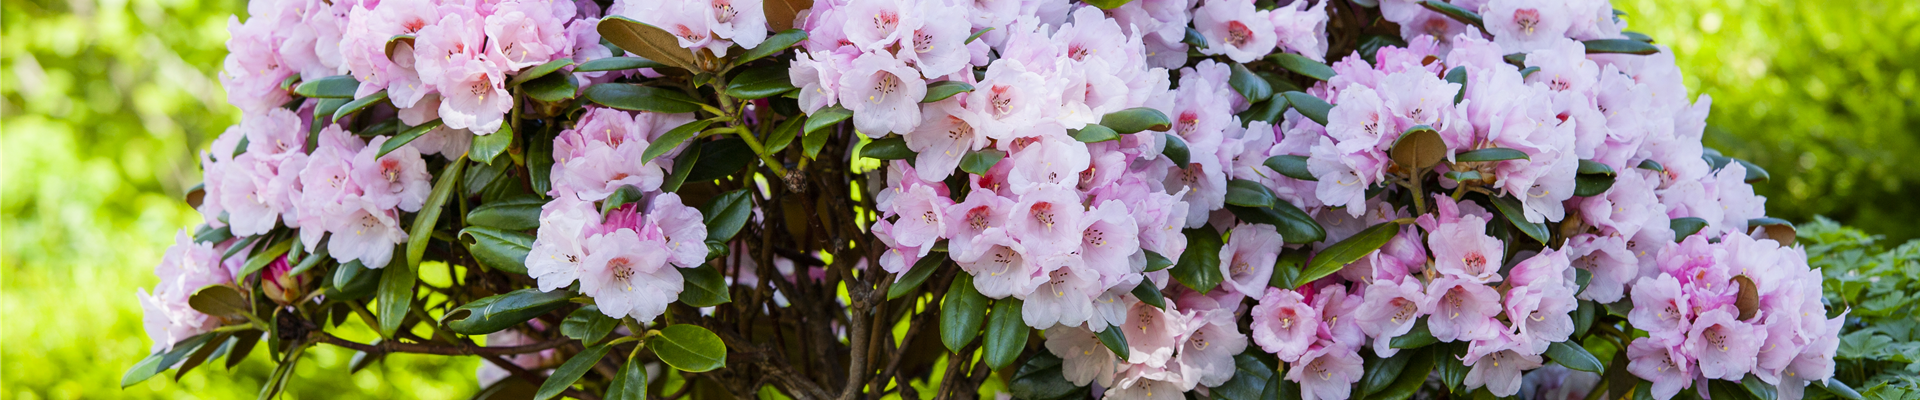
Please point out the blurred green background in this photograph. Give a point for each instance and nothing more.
(104, 104)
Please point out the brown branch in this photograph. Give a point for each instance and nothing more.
(387, 347)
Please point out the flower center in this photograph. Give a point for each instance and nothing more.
(885, 86)
(723, 11)
(1238, 34)
(1043, 214)
(1528, 19)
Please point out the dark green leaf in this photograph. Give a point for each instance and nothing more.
(978, 162)
(1041, 379)
(1380, 372)
(720, 158)
(1176, 150)
(682, 168)
(760, 82)
(1148, 293)
(1519, 60)
(497, 312)
(516, 214)
(588, 325)
(961, 313)
(332, 87)
(823, 118)
(915, 276)
(1115, 340)
(976, 34)
(1458, 75)
(1463, 176)
(1583, 317)
(1093, 133)
(1006, 333)
(261, 258)
(1312, 107)
(1269, 111)
(1415, 338)
(359, 104)
(1302, 65)
(616, 64)
(783, 134)
(423, 223)
(1589, 185)
(352, 280)
(620, 197)
(1446, 358)
(1455, 12)
(1595, 167)
(727, 213)
(1510, 207)
(775, 44)
(889, 148)
(704, 287)
(538, 71)
(1246, 193)
(673, 139)
(1619, 46)
(1724, 389)
(1528, 71)
(632, 97)
(1199, 266)
(487, 147)
(1637, 36)
(243, 344)
(1291, 166)
(406, 136)
(1250, 86)
(1250, 379)
(1574, 356)
(1650, 164)
(1490, 154)
(1755, 174)
(395, 296)
(1347, 251)
(689, 348)
(1687, 226)
(1419, 148)
(1295, 226)
(571, 371)
(209, 234)
(220, 301)
(1108, 4)
(1840, 389)
(153, 364)
(1760, 390)
(630, 383)
(500, 249)
(1286, 270)
(1419, 364)
(1136, 119)
(646, 41)
(1156, 262)
(938, 91)
(553, 88)
(1194, 39)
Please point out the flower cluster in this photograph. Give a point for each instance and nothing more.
(627, 261)
(187, 267)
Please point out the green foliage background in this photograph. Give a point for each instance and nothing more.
(104, 104)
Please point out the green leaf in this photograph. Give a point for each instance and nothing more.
(1761, 390)
(889, 148)
(1108, 4)
(1415, 338)
(1115, 340)
(538, 71)
(1246, 193)
(1510, 207)
(616, 64)
(1312, 107)
(915, 276)
(1650, 164)
(689, 348)
(1295, 226)
(727, 213)
(498, 312)
(1041, 379)
(1136, 119)
(1176, 150)
(1583, 316)
(406, 136)
(1250, 86)
(423, 223)
(1194, 39)
(1199, 266)
(216, 345)
(1156, 262)
(1722, 389)
(976, 34)
(1755, 174)
(1589, 185)
(1419, 148)
(261, 258)
(646, 41)
(1595, 167)
(395, 296)
(760, 82)
(1411, 377)
(359, 104)
(1250, 379)
(673, 139)
(1093, 133)
(157, 362)
(209, 234)
(1347, 251)
(571, 371)
(775, 44)
(1446, 359)
(332, 87)
(721, 158)
(1687, 226)
(1006, 333)
(938, 91)
(632, 97)
(516, 214)
(220, 301)
(978, 162)
(1462, 176)
(1291, 166)
(588, 325)
(243, 344)
(1637, 36)
(353, 280)
(1455, 12)
(823, 118)
(1302, 65)
(682, 169)
(1148, 293)
(1528, 71)
(1490, 154)
(1269, 111)
(487, 147)
(553, 88)
(704, 287)
(1619, 46)
(630, 383)
(1574, 356)
(1458, 76)
(961, 313)
(1286, 270)
(1838, 388)
(620, 197)
(1380, 372)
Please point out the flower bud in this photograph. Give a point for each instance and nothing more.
(281, 285)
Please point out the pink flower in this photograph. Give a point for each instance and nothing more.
(398, 179)
(1660, 307)
(971, 219)
(559, 251)
(1109, 241)
(1463, 250)
(1542, 316)
(682, 228)
(690, 22)
(1497, 365)
(1051, 160)
(1520, 26)
(527, 33)
(742, 21)
(1462, 310)
(938, 45)
(1236, 29)
(999, 268)
(1726, 348)
(873, 25)
(883, 93)
(1608, 259)
(1334, 303)
(1047, 222)
(1302, 29)
(368, 234)
(1064, 298)
(1666, 367)
(1247, 259)
(1083, 358)
(1153, 334)
(1327, 373)
(628, 276)
(943, 138)
(186, 267)
(817, 74)
(921, 217)
(1283, 324)
(1390, 310)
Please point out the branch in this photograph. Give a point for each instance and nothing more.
(392, 346)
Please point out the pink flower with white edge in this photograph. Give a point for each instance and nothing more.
(1666, 367)
(1389, 310)
(1520, 26)
(1726, 348)
(1236, 29)
(1606, 257)
(368, 235)
(1207, 352)
(1302, 29)
(1153, 333)
(628, 276)
(1333, 302)
(559, 250)
(1463, 250)
(938, 46)
(1109, 241)
(922, 220)
(1064, 297)
(1327, 372)
(1248, 257)
(1047, 222)
(682, 227)
(398, 179)
(943, 138)
(874, 25)
(1462, 310)
(1000, 269)
(1083, 358)
(1497, 364)
(1284, 324)
(883, 93)
(1660, 307)
(186, 267)
(741, 21)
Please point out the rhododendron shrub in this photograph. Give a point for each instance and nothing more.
(1313, 199)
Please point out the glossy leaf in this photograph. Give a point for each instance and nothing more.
(1093, 133)
(1456, 12)
(1291, 166)
(646, 41)
(1380, 372)
(1156, 262)
(490, 146)
(1311, 107)
(395, 296)
(1176, 150)
(720, 158)
(260, 258)
(1250, 86)
(1115, 340)
(823, 118)
(1594, 167)
(1415, 338)
(1419, 365)
(220, 301)
(1574, 356)
(539, 71)
(1347, 251)
(406, 136)
(632, 97)
(1134, 120)
(689, 348)
(1250, 378)
(683, 167)
(727, 213)
(775, 44)
(359, 104)
(1511, 209)
(889, 148)
(1490, 154)
(616, 64)
(704, 287)
(961, 313)
(1041, 378)
(1687, 226)
(517, 214)
(1302, 65)
(673, 139)
(588, 325)
(915, 276)
(157, 362)
(1589, 185)
(1619, 46)
(1199, 266)
(1246, 193)
(554, 88)
(1148, 293)
(760, 82)
(630, 383)
(783, 134)
(938, 91)
(978, 162)
(1006, 333)
(498, 312)
(1458, 75)
(570, 372)
(332, 87)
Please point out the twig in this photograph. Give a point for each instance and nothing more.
(394, 346)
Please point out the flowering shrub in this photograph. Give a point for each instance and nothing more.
(1478, 198)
